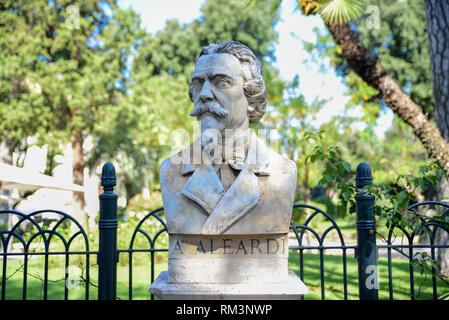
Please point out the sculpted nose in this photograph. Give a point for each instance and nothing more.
(206, 92)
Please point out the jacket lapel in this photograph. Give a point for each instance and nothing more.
(242, 196)
(204, 187)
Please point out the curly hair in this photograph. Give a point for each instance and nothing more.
(251, 69)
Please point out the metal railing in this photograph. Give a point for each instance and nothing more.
(45, 235)
(365, 250)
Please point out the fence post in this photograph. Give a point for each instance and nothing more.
(107, 253)
(366, 235)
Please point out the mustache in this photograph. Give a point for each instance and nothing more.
(212, 106)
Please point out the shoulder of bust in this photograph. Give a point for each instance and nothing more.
(281, 162)
(175, 161)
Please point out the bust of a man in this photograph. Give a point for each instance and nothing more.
(228, 197)
(228, 181)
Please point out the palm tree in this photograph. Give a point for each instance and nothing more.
(336, 15)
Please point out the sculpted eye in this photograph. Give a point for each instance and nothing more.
(197, 83)
(222, 82)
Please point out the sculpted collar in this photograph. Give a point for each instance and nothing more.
(225, 208)
(256, 160)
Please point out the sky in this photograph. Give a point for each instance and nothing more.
(290, 54)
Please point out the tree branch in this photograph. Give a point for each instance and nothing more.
(372, 72)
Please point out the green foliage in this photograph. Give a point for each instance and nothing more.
(137, 211)
(400, 42)
(423, 262)
(392, 197)
(233, 21)
(59, 79)
(395, 44)
(335, 169)
(392, 200)
(174, 48)
(325, 203)
(137, 131)
(402, 46)
(108, 79)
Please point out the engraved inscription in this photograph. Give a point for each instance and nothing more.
(235, 246)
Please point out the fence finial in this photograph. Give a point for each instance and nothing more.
(108, 176)
(107, 246)
(363, 175)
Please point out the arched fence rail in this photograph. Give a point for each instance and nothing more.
(303, 238)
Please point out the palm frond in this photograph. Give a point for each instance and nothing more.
(309, 7)
(340, 11)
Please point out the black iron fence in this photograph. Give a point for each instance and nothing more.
(34, 227)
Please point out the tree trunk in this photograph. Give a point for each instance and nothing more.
(372, 72)
(437, 16)
(6, 158)
(78, 174)
(442, 236)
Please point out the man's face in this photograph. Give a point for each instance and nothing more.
(217, 93)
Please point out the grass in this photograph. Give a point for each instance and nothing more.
(333, 278)
(141, 278)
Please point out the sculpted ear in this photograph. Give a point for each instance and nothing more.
(256, 95)
(250, 110)
(253, 113)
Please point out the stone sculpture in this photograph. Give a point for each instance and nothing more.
(228, 197)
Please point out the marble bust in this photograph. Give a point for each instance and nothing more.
(228, 197)
(228, 181)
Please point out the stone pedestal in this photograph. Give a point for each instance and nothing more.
(292, 289)
(228, 267)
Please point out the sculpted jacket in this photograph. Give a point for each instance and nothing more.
(259, 201)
